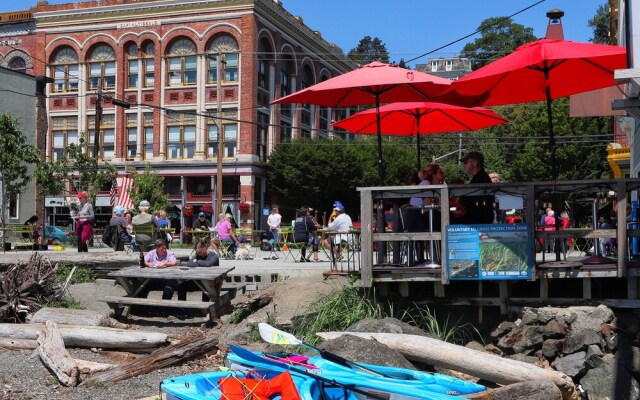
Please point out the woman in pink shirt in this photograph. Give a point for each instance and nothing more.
(225, 232)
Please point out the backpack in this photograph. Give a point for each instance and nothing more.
(108, 235)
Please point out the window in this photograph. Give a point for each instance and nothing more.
(149, 64)
(181, 136)
(230, 138)
(182, 63)
(434, 66)
(13, 207)
(285, 132)
(148, 135)
(102, 68)
(286, 69)
(107, 136)
(132, 135)
(18, 64)
(305, 114)
(132, 66)
(65, 132)
(264, 55)
(227, 47)
(261, 142)
(64, 70)
(449, 65)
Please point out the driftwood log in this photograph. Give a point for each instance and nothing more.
(91, 367)
(25, 287)
(56, 357)
(18, 344)
(487, 366)
(89, 336)
(533, 390)
(178, 353)
(70, 316)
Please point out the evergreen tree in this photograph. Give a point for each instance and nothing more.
(601, 25)
(369, 50)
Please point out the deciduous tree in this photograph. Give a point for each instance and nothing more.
(149, 186)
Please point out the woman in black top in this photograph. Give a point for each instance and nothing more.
(306, 230)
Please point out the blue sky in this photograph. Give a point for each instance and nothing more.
(410, 28)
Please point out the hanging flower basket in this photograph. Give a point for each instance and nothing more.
(187, 210)
(207, 208)
(244, 206)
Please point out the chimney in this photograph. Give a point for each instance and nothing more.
(554, 29)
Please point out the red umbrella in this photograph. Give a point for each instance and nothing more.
(420, 118)
(542, 70)
(374, 83)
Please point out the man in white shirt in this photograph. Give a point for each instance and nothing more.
(341, 225)
(274, 221)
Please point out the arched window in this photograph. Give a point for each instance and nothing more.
(286, 72)
(64, 70)
(182, 63)
(148, 63)
(227, 47)
(102, 68)
(18, 64)
(133, 69)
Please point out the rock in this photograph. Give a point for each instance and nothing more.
(551, 348)
(629, 355)
(475, 346)
(572, 364)
(523, 339)
(502, 329)
(524, 358)
(610, 337)
(594, 356)
(491, 348)
(365, 351)
(387, 325)
(580, 339)
(610, 381)
(238, 334)
(555, 329)
(537, 316)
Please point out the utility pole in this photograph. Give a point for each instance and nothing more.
(219, 64)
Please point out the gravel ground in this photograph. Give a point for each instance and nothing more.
(23, 375)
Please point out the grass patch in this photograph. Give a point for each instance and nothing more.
(66, 302)
(238, 315)
(82, 274)
(254, 335)
(426, 319)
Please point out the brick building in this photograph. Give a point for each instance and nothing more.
(177, 62)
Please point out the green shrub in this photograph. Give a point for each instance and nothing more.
(82, 274)
(66, 302)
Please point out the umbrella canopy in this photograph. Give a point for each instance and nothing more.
(419, 118)
(542, 70)
(374, 83)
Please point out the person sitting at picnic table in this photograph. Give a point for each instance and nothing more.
(226, 233)
(203, 257)
(122, 234)
(305, 229)
(145, 220)
(199, 225)
(341, 224)
(161, 257)
(35, 235)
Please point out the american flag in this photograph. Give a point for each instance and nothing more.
(124, 199)
(112, 193)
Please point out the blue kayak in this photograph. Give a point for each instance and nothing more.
(399, 381)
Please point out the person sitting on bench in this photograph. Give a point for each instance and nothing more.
(204, 257)
(161, 257)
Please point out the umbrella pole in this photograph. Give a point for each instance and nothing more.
(418, 142)
(379, 127)
(552, 141)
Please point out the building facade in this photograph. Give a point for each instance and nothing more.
(192, 72)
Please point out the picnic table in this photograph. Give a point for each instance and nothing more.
(209, 280)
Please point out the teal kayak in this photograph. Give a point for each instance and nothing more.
(397, 381)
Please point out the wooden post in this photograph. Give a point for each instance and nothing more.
(586, 288)
(366, 232)
(503, 287)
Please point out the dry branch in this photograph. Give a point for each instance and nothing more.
(185, 350)
(56, 357)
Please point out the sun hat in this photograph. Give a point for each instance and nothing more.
(337, 205)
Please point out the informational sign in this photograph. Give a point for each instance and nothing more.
(489, 252)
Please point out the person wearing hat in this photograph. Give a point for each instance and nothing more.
(84, 222)
(146, 225)
(201, 224)
(341, 225)
(122, 235)
(477, 209)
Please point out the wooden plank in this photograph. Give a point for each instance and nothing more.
(366, 211)
(403, 289)
(112, 301)
(586, 288)
(178, 272)
(503, 288)
(530, 302)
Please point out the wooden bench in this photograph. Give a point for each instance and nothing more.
(213, 309)
(232, 288)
